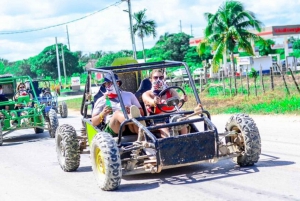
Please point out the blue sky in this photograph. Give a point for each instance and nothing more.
(108, 30)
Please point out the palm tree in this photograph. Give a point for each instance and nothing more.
(265, 47)
(228, 29)
(143, 27)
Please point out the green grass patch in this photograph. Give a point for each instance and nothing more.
(74, 103)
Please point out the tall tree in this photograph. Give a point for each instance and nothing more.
(227, 29)
(45, 63)
(176, 47)
(163, 39)
(143, 27)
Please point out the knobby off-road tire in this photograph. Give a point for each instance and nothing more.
(251, 143)
(53, 122)
(38, 130)
(67, 148)
(1, 136)
(64, 110)
(106, 162)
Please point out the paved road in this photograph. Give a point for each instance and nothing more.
(29, 171)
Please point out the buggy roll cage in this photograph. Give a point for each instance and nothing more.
(14, 80)
(129, 68)
(140, 67)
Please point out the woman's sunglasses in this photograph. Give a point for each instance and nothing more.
(22, 87)
(158, 77)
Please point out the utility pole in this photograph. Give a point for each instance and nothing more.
(64, 65)
(58, 66)
(131, 29)
(192, 30)
(180, 26)
(68, 37)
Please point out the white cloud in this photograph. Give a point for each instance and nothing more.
(109, 30)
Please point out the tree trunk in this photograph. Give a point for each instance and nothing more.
(143, 49)
(255, 87)
(248, 87)
(296, 84)
(271, 79)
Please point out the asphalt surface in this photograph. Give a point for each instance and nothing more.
(29, 170)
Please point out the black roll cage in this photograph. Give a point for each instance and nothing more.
(129, 68)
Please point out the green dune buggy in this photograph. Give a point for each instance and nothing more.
(146, 152)
(23, 112)
(48, 97)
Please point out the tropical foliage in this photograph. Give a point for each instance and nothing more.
(143, 27)
(228, 29)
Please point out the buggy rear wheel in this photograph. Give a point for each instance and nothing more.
(63, 110)
(38, 130)
(106, 162)
(248, 140)
(1, 136)
(53, 122)
(67, 148)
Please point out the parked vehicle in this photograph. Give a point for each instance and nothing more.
(198, 71)
(179, 72)
(146, 152)
(22, 112)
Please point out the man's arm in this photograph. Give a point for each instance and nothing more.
(97, 117)
(147, 99)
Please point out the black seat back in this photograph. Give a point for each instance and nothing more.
(36, 89)
(98, 94)
(144, 86)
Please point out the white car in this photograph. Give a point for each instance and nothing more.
(198, 71)
(180, 72)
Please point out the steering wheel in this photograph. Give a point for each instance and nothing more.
(173, 101)
(19, 92)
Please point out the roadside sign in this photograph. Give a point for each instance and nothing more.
(75, 81)
(244, 60)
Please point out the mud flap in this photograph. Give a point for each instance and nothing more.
(187, 148)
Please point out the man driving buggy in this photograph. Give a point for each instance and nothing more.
(112, 116)
(151, 99)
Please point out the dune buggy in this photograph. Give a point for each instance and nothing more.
(49, 98)
(22, 112)
(146, 152)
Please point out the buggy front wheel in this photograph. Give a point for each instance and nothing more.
(106, 162)
(63, 110)
(247, 141)
(53, 122)
(67, 148)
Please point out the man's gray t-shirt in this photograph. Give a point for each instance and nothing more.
(128, 99)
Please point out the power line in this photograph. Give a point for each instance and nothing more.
(56, 25)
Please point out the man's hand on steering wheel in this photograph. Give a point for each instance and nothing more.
(172, 99)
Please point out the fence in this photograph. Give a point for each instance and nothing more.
(287, 82)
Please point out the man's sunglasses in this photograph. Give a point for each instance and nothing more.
(158, 77)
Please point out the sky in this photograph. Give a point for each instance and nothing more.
(108, 29)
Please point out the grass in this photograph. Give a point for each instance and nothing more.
(272, 102)
(214, 100)
(269, 103)
(74, 104)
